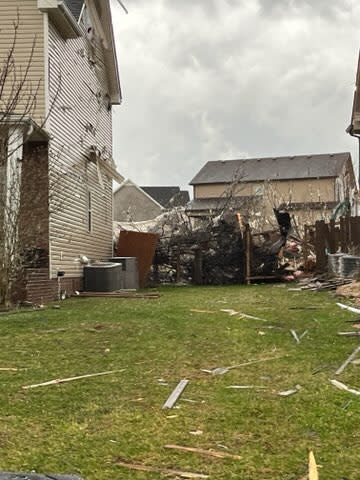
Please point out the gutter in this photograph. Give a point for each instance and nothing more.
(350, 131)
(69, 17)
(61, 16)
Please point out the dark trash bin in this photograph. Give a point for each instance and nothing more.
(35, 476)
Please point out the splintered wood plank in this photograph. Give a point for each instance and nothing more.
(201, 451)
(170, 402)
(313, 470)
(166, 471)
(347, 307)
(349, 334)
(347, 361)
(342, 386)
(70, 379)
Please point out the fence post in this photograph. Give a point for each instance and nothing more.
(332, 236)
(320, 245)
(247, 237)
(198, 267)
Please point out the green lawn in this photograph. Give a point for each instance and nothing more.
(86, 426)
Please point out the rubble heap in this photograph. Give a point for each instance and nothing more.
(208, 255)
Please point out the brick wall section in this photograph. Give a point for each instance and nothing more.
(34, 217)
(41, 289)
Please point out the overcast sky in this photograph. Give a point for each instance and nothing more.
(223, 79)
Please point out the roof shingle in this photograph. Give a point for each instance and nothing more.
(168, 196)
(272, 168)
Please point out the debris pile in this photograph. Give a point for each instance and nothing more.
(208, 254)
(322, 282)
(223, 250)
(350, 290)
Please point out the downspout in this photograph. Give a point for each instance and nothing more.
(349, 130)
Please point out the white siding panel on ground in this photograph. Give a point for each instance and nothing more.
(80, 118)
(30, 32)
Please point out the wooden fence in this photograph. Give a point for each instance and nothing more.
(332, 237)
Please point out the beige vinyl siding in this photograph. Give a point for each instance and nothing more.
(31, 29)
(305, 190)
(133, 205)
(79, 119)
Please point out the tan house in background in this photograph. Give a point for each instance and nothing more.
(308, 185)
(65, 139)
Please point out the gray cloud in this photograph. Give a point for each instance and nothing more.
(208, 79)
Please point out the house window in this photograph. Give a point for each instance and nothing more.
(89, 212)
(339, 190)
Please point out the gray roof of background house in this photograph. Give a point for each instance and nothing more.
(272, 168)
(168, 196)
(75, 7)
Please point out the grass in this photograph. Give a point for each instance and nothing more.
(84, 427)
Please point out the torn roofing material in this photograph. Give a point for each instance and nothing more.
(272, 168)
(75, 7)
(168, 196)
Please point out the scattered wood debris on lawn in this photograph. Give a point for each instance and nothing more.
(232, 313)
(246, 387)
(196, 310)
(70, 379)
(165, 471)
(292, 391)
(349, 334)
(313, 470)
(223, 370)
(173, 398)
(351, 290)
(207, 453)
(347, 307)
(297, 337)
(342, 386)
(322, 283)
(305, 307)
(347, 361)
(294, 334)
(10, 369)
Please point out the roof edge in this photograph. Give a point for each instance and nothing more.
(128, 181)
